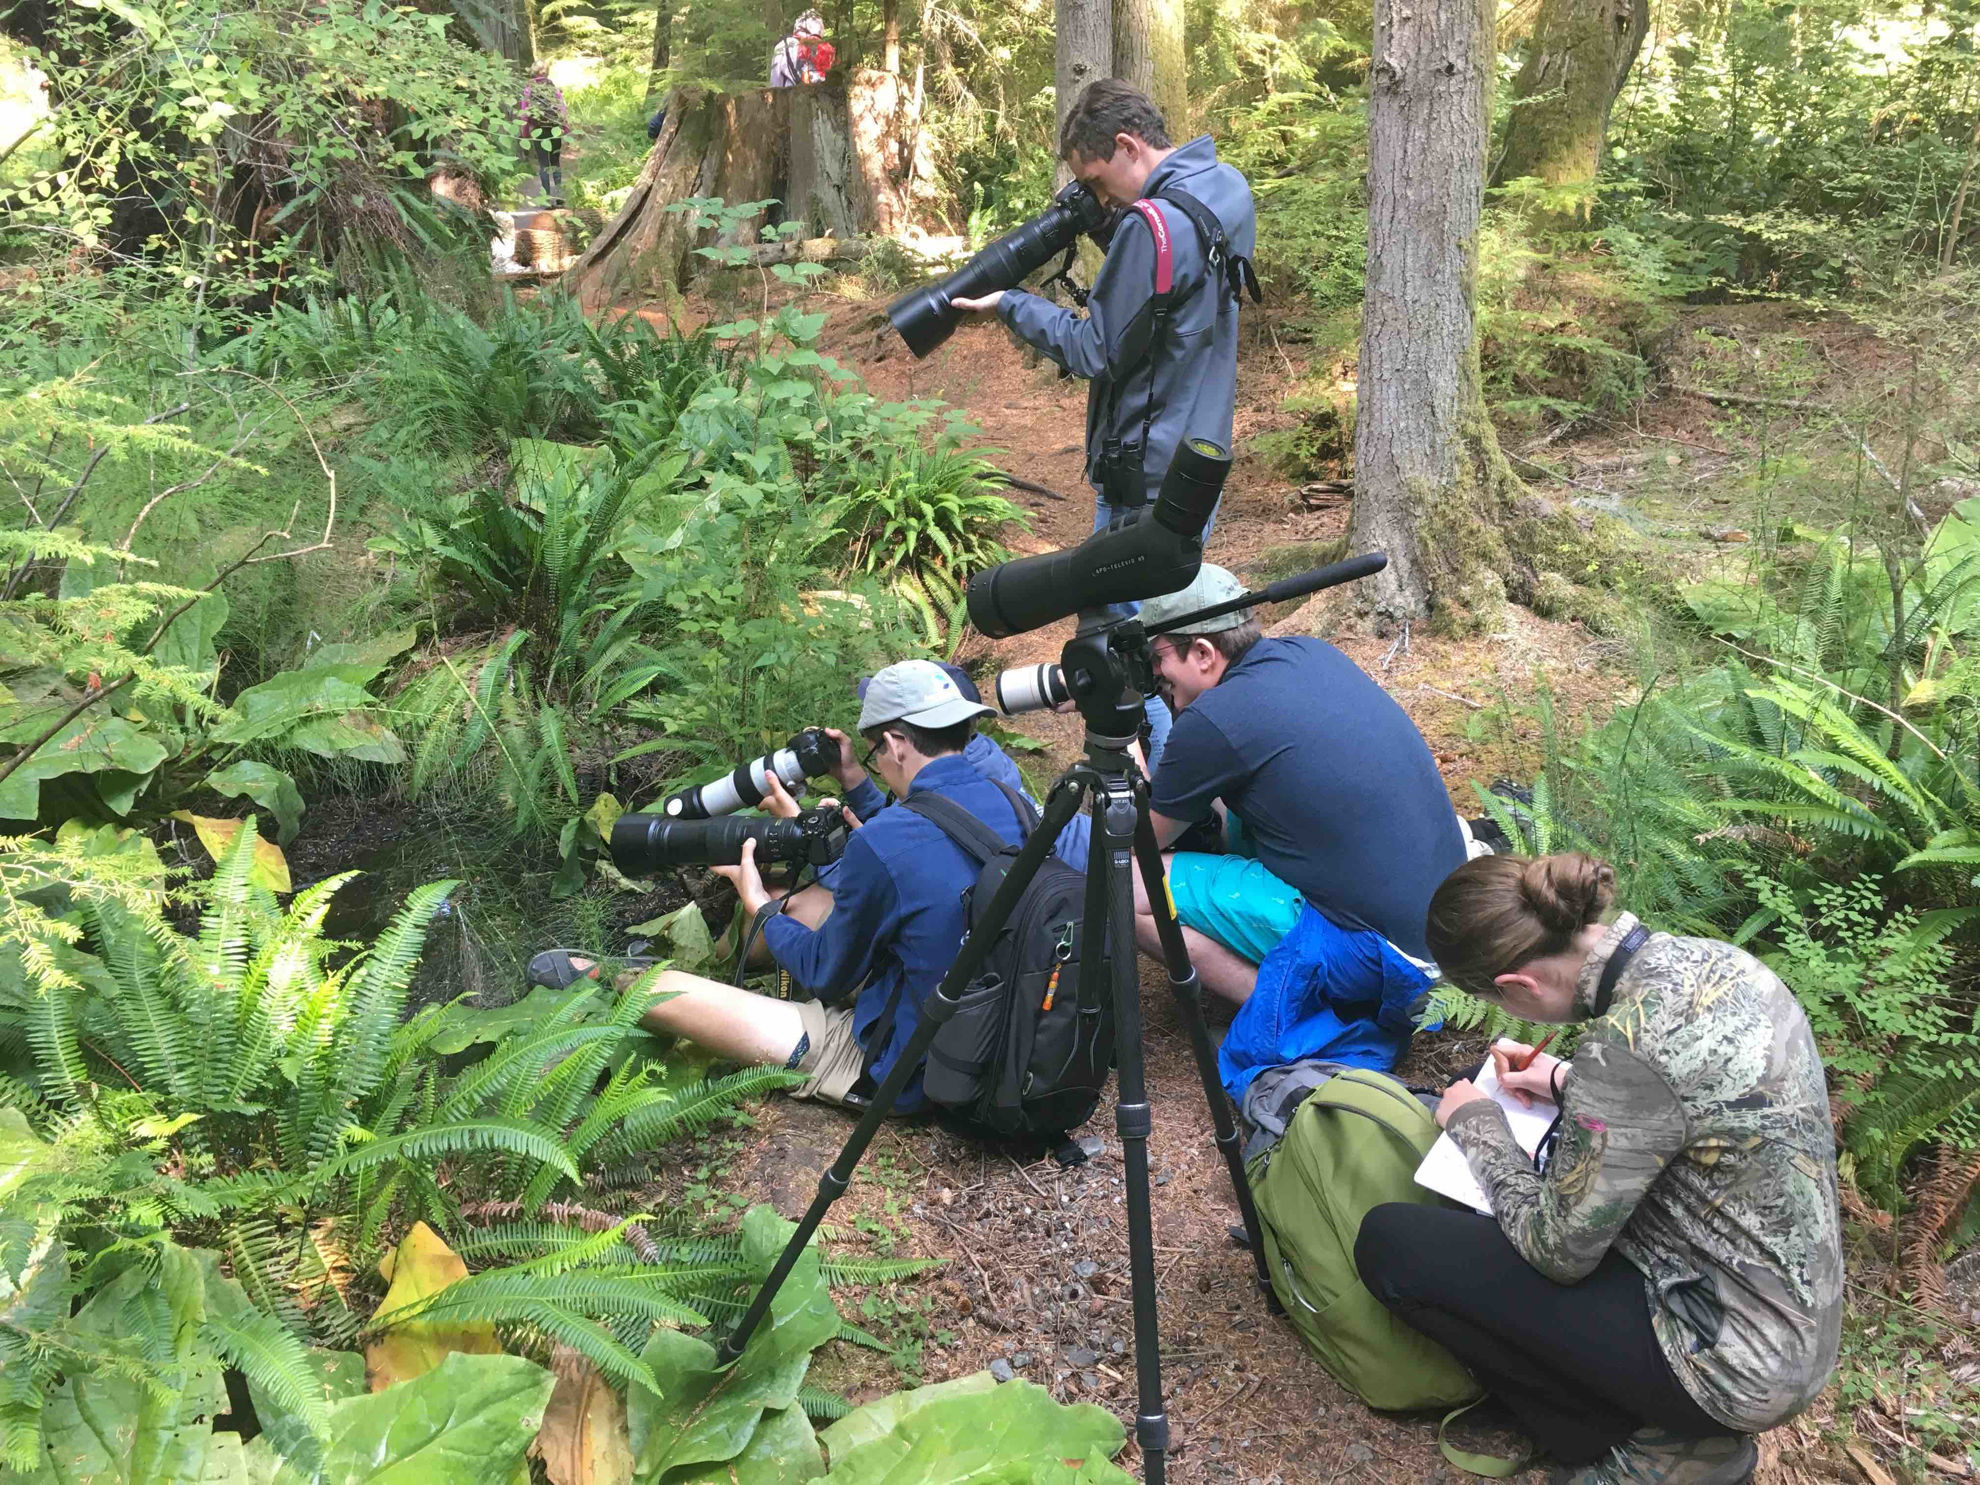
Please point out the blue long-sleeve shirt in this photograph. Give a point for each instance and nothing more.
(1189, 382)
(1000, 768)
(897, 912)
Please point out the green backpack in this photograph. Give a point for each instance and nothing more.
(1353, 1144)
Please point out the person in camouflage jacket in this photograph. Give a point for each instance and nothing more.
(1693, 1181)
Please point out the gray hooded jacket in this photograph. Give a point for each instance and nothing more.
(1189, 379)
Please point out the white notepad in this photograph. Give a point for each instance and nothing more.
(1445, 1169)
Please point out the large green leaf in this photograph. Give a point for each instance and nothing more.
(782, 1451)
(464, 1025)
(353, 735)
(188, 640)
(274, 709)
(375, 654)
(102, 1425)
(1954, 548)
(95, 741)
(466, 1422)
(268, 787)
(34, 1299)
(705, 1413)
(884, 1414)
(339, 1375)
(1009, 1434)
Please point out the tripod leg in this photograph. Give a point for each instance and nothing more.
(1114, 825)
(1060, 806)
(1189, 1004)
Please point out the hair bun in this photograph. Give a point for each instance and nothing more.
(1568, 892)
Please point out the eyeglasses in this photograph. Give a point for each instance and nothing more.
(866, 763)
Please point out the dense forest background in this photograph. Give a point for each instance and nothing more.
(354, 582)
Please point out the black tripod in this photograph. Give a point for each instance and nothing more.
(1105, 667)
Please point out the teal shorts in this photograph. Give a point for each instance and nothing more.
(1233, 900)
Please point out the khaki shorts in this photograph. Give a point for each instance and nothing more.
(833, 1062)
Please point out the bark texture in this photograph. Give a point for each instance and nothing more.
(1149, 53)
(1083, 51)
(1431, 486)
(1575, 65)
(824, 151)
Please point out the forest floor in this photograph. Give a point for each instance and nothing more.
(1035, 1279)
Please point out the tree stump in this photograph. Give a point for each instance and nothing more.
(829, 154)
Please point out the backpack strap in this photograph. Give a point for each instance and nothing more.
(978, 841)
(1238, 274)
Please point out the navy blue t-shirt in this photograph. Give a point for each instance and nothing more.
(1336, 788)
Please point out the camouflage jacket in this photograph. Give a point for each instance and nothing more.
(1695, 1139)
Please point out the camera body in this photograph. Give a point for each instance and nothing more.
(806, 756)
(924, 317)
(642, 843)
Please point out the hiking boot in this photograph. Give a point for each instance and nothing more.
(1656, 1456)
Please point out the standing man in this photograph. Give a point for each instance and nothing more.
(795, 59)
(545, 122)
(1158, 341)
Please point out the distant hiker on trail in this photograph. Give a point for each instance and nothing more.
(544, 122)
(804, 56)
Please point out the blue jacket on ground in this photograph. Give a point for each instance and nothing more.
(1194, 371)
(1324, 991)
(897, 912)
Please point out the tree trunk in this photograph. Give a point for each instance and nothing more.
(1148, 52)
(663, 47)
(1580, 53)
(822, 150)
(1431, 486)
(890, 37)
(1083, 51)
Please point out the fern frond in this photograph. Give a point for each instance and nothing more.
(822, 1406)
(423, 1144)
(875, 1270)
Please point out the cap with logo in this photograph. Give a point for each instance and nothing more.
(916, 691)
(1213, 585)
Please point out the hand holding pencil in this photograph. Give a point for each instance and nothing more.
(1527, 1073)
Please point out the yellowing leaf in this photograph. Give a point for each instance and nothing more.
(584, 1439)
(422, 1265)
(271, 867)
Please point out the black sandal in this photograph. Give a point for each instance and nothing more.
(554, 968)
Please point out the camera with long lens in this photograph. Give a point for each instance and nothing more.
(643, 843)
(1032, 688)
(807, 756)
(1149, 551)
(925, 318)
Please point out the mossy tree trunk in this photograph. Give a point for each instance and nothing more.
(1149, 53)
(1083, 50)
(1432, 488)
(1580, 52)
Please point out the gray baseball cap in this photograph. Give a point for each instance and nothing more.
(1213, 584)
(916, 691)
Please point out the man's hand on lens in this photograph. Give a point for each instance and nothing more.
(847, 770)
(749, 886)
(777, 800)
(987, 305)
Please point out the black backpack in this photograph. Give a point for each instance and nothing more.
(1021, 1056)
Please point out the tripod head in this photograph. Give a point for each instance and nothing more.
(1106, 667)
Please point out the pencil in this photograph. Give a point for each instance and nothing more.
(1511, 1066)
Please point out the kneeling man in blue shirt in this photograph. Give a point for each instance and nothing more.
(896, 918)
(1340, 830)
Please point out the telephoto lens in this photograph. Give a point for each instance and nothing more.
(642, 843)
(1032, 688)
(924, 317)
(1146, 553)
(806, 756)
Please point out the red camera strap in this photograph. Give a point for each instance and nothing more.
(1165, 264)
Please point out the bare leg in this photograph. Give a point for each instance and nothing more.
(736, 1024)
(811, 906)
(1221, 970)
